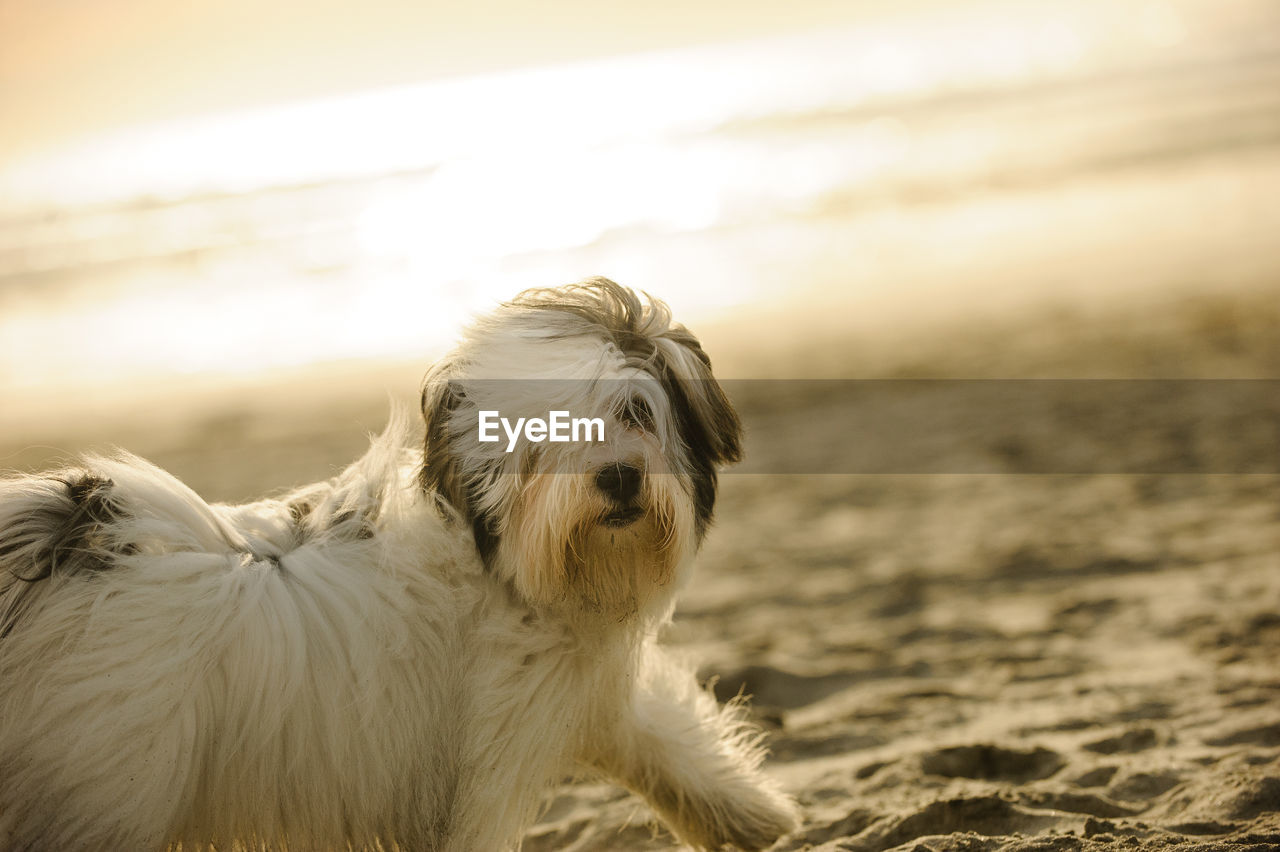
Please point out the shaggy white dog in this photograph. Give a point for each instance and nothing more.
(404, 657)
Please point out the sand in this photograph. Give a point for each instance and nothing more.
(943, 661)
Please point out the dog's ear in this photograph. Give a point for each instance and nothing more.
(440, 474)
(707, 421)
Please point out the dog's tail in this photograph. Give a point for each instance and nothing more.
(82, 520)
(54, 523)
(51, 525)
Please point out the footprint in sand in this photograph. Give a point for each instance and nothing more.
(1099, 777)
(1131, 741)
(992, 763)
(1267, 736)
(1141, 786)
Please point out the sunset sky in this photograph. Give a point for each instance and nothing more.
(69, 68)
(231, 186)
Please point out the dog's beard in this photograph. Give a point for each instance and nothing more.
(567, 544)
(618, 571)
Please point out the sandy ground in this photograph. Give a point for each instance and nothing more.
(995, 661)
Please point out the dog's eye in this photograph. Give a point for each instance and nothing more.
(636, 414)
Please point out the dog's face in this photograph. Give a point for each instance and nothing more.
(603, 522)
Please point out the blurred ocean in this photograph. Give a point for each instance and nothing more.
(941, 143)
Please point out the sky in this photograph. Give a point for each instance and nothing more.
(72, 68)
(232, 186)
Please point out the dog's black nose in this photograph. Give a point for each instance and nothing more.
(619, 481)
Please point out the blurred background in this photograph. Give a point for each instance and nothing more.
(231, 231)
(211, 212)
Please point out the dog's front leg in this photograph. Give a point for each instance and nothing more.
(696, 763)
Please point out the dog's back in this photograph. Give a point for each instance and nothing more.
(178, 670)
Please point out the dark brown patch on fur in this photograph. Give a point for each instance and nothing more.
(65, 535)
(299, 509)
(636, 414)
(78, 543)
(363, 530)
(614, 310)
(440, 475)
(710, 430)
(334, 509)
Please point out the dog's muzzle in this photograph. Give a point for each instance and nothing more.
(621, 483)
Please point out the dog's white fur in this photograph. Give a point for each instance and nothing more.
(406, 656)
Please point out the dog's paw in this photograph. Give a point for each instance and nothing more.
(758, 825)
(752, 822)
